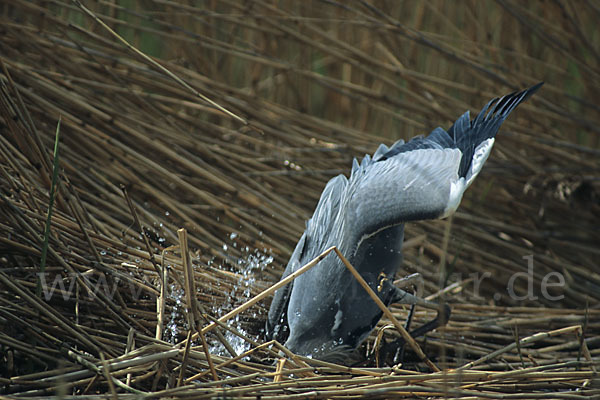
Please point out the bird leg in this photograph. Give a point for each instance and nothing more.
(416, 280)
(443, 312)
(400, 296)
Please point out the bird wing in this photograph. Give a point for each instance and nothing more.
(414, 185)
(315, 240)
(426, 177)
(277, 319)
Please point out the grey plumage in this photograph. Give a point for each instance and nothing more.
(325, 312)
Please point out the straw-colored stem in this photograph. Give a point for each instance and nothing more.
(405, 335)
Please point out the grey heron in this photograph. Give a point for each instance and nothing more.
(325, 311)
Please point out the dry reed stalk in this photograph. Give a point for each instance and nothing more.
(156, 64)
(405, 335)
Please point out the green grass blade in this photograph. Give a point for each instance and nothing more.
(50, 207)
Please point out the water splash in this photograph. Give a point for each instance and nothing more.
(251, 263)
(238, 344)
(246, 268)
(176, 319)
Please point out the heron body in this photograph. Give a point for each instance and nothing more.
(325, 311)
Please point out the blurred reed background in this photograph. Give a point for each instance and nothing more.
(308, 86)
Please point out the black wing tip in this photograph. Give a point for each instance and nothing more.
(528, 92)
(501, 107)
(496, 109)
(525, 94)
(487, 123)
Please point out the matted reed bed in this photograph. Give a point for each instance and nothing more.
(141, 234)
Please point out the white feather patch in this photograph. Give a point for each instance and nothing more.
(337, 319)
(480, 155)
(457, 188)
